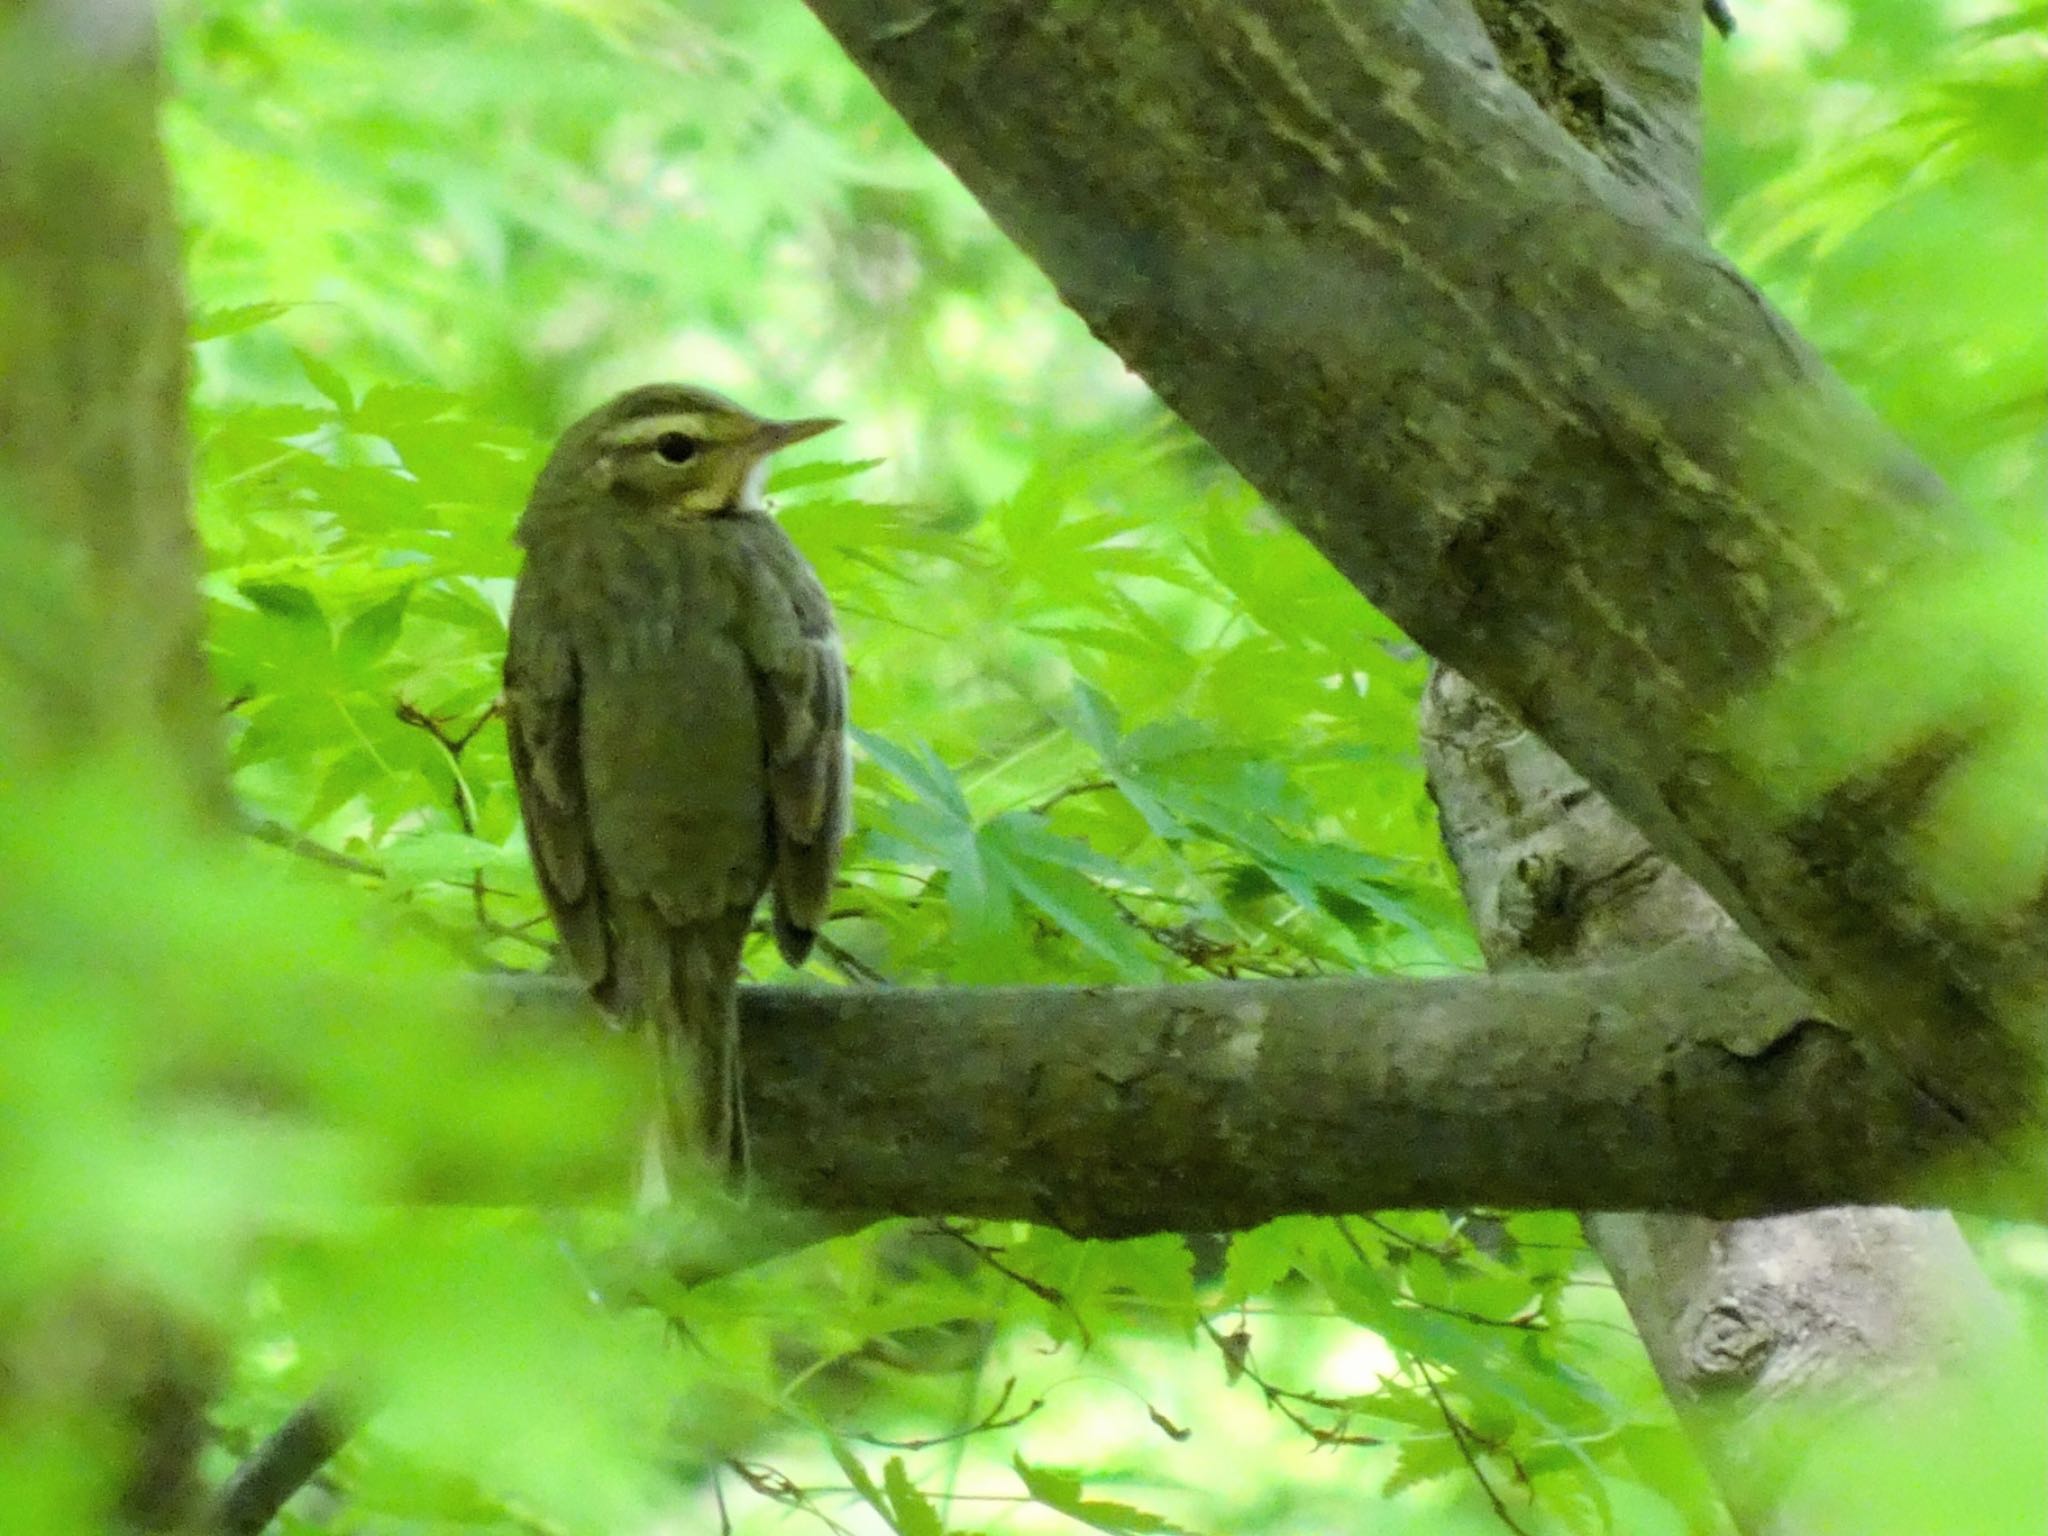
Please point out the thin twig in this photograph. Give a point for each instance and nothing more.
(1527, 1322)
(482, 720)
(283, 1464)
(1237, 1359)
(1086, 787)
(279, 835)
(778, 1487)
(1185, 941)
(718, 1493)
(1038, 1288)
(851, 965)
(1451, 1250)
(1533, 1322)
(1461, 1436)
(993, 1419)
(465, 808)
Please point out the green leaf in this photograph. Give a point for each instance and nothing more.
(369, 636)
(450, 856)
(920, 771)
(1050, 873)
(327, 379)
(1260, 1259)
(348, 776)
(1423, 1459)
(818, 472)
(863, 1484)
(206, 324)
(389, 408)
(1061, 1491)
(913, 1513)
(939, 823)
(286, 600)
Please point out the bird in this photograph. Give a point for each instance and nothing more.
(675, 704)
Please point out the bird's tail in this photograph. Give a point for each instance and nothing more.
(696, 1027)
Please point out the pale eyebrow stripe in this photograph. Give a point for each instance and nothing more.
(644, 429)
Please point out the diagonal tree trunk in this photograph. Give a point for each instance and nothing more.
(1465, 332)
(1421, 272)
(1787, 1343)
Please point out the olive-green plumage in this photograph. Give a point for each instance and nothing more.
(675, 699)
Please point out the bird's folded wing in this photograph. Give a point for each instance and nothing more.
(804, 712)
(542, 728)
(792, 649)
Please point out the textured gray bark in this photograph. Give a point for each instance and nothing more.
(1781, 1339)
(1683, 1080)
(1465, 334)
(1406, 267)
(1762, 1330)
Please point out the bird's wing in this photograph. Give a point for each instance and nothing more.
(800, 681)
(809, 801)
(542, 726)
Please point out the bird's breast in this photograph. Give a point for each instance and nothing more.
(671, 745)
(656, 596)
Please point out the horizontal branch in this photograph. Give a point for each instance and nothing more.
(1693, 1080)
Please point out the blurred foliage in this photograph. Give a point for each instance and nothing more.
(1116, 724)
(1903, 227)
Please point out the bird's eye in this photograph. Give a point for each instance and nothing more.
(676, 447)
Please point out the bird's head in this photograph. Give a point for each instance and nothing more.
(666, 448)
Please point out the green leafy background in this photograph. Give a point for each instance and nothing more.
(1115, 723)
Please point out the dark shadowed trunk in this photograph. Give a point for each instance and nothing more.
(103, 645)
(99, 602)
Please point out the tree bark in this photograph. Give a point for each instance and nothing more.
(101, 641)
(1401, 266)
(1760, 1330)
(99, 606)
(1682, 1080)
(1791, 1346)
(1465, 334)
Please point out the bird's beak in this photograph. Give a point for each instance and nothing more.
(771, 435)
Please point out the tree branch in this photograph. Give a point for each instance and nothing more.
(278, 1468)
(1691, 1080)
(1458, 343)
